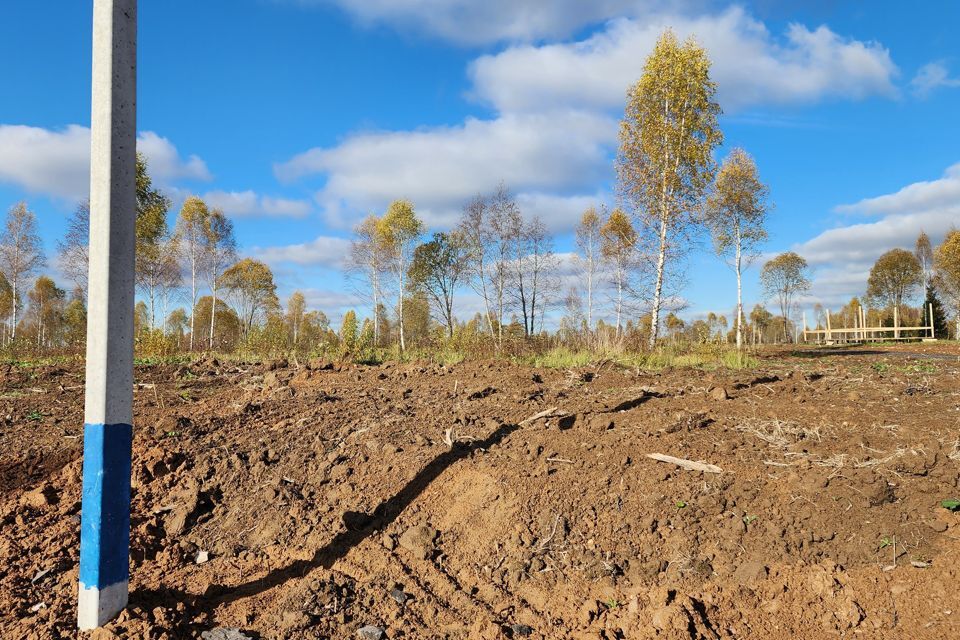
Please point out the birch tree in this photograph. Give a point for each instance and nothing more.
(736, 214)
(783, 278)
(219, 250)
(21, 255)
(618, 247)
(158, 274)
(474, 228)
(296, 308)
(73, 249)
(191, 231)
(398, 231)
(587, 236)
(667, 136)
(502, 223)
(367, 259)
(437, 269)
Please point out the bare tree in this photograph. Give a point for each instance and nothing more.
(475, 230)
(158, 274)
(73, 249)
(502, 225)
(587, 236)
(540, 263)
(21, 254)
(367, 262)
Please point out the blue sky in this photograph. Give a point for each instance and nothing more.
(301, 116)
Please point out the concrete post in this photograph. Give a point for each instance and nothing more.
(108, 415)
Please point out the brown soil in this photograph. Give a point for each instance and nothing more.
(328, 500)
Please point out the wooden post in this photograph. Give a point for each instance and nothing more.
(829, 329)
(896, 322)
(930, 315)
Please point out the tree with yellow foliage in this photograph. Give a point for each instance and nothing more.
(946, 262)
(667, 137)
(736, 213)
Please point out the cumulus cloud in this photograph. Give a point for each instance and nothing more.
(841, 257)
(919, 196)
(469, 22)
(553, 135)
(931, 77)
(166, 165)
(243, 204)
(323, 251)
(562, 153)
(56, 163)
(750, 65)
(44, 161)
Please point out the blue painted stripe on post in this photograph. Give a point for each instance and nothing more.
(105, 514)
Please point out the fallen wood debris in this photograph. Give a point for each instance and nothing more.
(689, 465)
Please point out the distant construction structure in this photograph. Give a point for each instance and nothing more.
(860, 332)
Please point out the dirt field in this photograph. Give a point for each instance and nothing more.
(303, 501)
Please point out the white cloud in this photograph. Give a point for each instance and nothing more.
(439, 168)
(930, 77)
(554, 133)
(841, 257)
(750, 66)
(56, 163)
(164, 161)
(471, 22)
(47, 162)
(323, 251)
(242, 204)
(919, 196)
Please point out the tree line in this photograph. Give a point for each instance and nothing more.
(627, 265)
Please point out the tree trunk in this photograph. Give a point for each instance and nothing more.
(739, 299)
(619, 303)
(590, 292)
(13, 322)
(661, 261)
(403, 343)
(213, 313)
(193, 293)
(375, 282)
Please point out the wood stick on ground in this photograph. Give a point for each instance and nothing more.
(546, 413)
(689, 465)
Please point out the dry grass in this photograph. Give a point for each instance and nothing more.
(781, 433)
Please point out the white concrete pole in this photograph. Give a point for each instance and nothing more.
(108, 415)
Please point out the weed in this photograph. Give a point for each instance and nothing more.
(680, 504)
(34, 416)
(887, 541)
(952, 504)
(748, 520)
